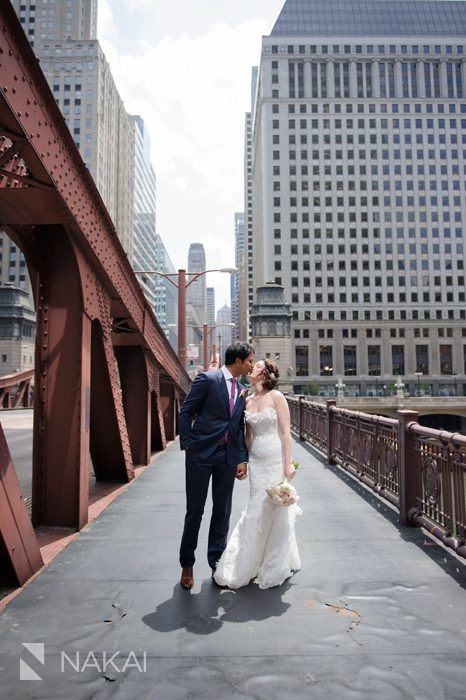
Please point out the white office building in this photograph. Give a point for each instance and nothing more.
(358, 194)
(235, 278)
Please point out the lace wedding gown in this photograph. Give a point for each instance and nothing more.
(263, 544)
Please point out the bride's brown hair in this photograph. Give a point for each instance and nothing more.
(270, 374)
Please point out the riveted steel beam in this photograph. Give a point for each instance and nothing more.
(28, 112)
(91, 310)
(19, 551)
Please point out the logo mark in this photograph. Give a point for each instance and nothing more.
(26, 673)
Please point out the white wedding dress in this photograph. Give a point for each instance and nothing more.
(263, 544)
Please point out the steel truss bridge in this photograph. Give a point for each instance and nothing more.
(107, 383)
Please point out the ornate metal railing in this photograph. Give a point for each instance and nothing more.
(367, 446)
(420, 470)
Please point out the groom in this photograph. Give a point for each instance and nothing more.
(211, 425)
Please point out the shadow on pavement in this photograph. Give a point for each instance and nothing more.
(206, 611)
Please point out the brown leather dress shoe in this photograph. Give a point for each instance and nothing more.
(187, 577)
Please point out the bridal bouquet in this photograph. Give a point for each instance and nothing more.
(283, 494)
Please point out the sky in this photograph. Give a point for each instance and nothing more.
(185, 68)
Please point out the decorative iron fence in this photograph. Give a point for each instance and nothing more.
(420, 470)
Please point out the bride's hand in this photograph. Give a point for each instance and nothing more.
(290, 471)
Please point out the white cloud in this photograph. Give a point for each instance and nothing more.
(192, 92)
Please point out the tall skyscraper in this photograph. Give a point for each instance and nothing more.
(359, 206)
(245, 285)
(166, 294)
(235, 278)
(114, 145)
(210, 293)
(223, 330)
(196, 292)
(144, 191)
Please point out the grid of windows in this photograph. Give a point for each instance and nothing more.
(364, 191)
(375, 78)
(360, 199)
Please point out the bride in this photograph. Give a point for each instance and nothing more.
(263, 544)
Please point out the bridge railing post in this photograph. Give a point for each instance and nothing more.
(330, 430)
(407, 464)
(300, 417)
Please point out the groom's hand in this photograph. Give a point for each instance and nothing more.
(242, 471)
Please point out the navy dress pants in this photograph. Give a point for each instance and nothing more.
(198, 474)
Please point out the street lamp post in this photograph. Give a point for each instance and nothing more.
(182, 284)
(181, 316)
(418, 375)
(205, 340)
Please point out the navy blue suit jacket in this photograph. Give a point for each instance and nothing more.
(205, 418)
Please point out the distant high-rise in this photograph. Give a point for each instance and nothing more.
(223, 330)
(235, 278)
(359, 190)
(196, 292)
(166, 294)
(144, 194)
(244, 263)
(210, 293)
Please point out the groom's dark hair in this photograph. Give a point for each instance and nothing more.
(238, 349)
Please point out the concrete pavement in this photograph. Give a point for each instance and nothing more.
(376, 611)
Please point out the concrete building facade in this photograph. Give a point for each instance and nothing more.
(359, 207)
(144, 226)
(210, 294)
(244, 261)
(235, 278)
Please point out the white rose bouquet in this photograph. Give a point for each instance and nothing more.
(283, 494)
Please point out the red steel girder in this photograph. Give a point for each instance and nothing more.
(20, 550)
(57, 187)
(91, 311)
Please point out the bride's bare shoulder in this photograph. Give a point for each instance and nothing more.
(277, 394)
(277, 397)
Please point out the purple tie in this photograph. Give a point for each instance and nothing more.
(232, 395)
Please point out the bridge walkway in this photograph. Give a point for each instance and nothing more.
(376, 611)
